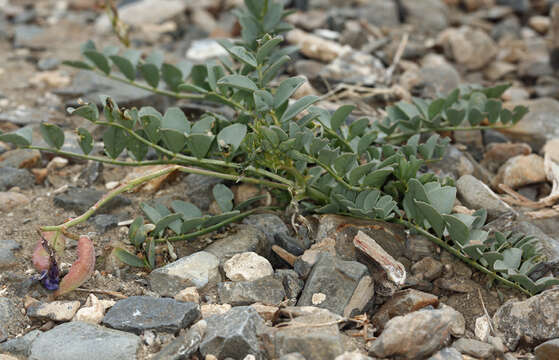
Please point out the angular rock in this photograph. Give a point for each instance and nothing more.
(269, 224)
(78, 340)
(10, 177)
(291, 282)
(183, 347)
(475, 348)
(247, 267)
(427, 268)
(94, 310)
(20, 345)
(105, 222)
(247, 238)
(208, 310)
(402, 303)
(549, 350)
(335, 278)
(431, 329)
(534, 319)
(7, 257)
(521, 170)
(470, 47)
(200, 269)
(139, 313)
(476, 195)
(233, 334)
(266, 312)
(300, 336)
(55, 310)
(343, 229)
(267, 290)
(10, 317)
(80, 200)
(539, 125)
(190, 294)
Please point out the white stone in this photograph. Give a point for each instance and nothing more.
(208, 310)
(202, 50)
(318, 298)
(482, 329)
(93, 311)
(247, 266)
(55, 310)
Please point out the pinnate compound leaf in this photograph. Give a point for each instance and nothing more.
(239, 82)
(287, 88)
(20, 137)
(299, 106)
(88, 112)
(81, 269)
(432, 216)
(114, 141)
(243, 55)
(52, 134)
(125, 66)
(186, 209)
(150, 72)
(77, 64)
(339, 116)
(199, 144)
(172, 76)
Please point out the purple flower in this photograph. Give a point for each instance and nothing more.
(50, 279)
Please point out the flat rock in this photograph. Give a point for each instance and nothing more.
(336, 279)
(549, 350)
(80, 200)
(139, 313)
(267, 290)
(475, 348)
(54, 310)
(431, 329)
(291, 282)
(200, 269)
(24, 116)
(312, 342)
(447, 353)
(247, 266)
(105, 222)
(498, 153)
(539, 125)
(7, 247)
(233, 334)
(402, 303)
(10, 177)
(534, 319)
(476, 195)
(184, 346)
(79, 340)
(246, 238)
(521, 170)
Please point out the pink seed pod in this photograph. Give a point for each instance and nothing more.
(81, 269)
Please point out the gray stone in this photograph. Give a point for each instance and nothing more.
(20, 345)
(54, 310)
(539, 125)
(104, 222)
(80, 200)
(475, 348)
(24, 116)
(233, 334)
(25, 34)
(476, 195)
(354, 67)
(454, 164)
(10, 316)
(20, 158)
(10, 177)
(521, 6)
(267, 290)
(431, 329)
(269, 224)
(447, 353)
(291, 282)
(7, 257)
(247, 238)
(429, 16)
(437, 80)
(300, 336)
(549, 350)
(403, 302)
(427, 268)
(139, 313)
(184, 346)
(335, 278)
(534, 319)
(84, 341)
(199, 189)
(48, 63)
(380, 13)
(200, 269)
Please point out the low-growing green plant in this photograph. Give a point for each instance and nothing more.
(325, 162)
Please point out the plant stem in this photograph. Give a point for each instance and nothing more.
(461, 256)
(109, 196)
(236, 178)
(338, 137)
(175, 95)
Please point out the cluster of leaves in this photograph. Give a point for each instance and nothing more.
(326, 162)
(185, 221)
